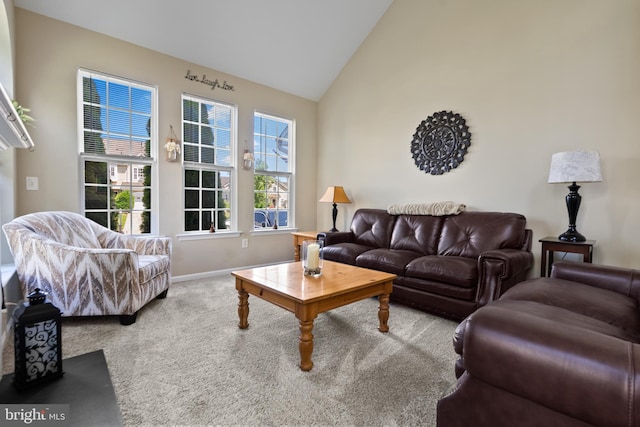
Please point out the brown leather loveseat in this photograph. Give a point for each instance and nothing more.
(449, 264)
(558, 351)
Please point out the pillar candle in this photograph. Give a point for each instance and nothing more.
(313, 256)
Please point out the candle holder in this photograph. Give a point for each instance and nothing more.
(37, 341)
(312, 257)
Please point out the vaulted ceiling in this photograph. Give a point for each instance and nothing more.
(297, 46)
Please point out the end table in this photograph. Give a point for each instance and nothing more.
(553, 244)
(298, 238)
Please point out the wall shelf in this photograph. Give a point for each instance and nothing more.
(13, 133)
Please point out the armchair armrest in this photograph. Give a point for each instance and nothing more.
(500, 269)
(336, 237)
(622, 280)
(587, 375)
(142, 245)
(152, 245)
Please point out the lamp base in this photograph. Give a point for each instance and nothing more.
(572, 235)
(573, 200)
(334, 215)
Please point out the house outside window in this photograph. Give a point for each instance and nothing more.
(209, 141)
(273, 142)
(116, 119)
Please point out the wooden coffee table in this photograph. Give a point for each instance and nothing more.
(286, 286)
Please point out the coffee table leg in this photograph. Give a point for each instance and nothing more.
(383, 312)
(306, 344)
(243, 309)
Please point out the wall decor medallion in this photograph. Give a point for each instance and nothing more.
(440, 142)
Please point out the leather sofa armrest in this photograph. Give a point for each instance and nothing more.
(528, 238)
(500, 269)
(622, 280)
(587, 375)
(336, 237)
(458, 344)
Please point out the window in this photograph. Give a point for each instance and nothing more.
(208, 147)
(117, 121)
(273, 171)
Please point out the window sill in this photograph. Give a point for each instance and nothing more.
(232, 234)
(271, 231)
(203, 236)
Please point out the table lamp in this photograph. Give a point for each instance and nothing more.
(572, 167)
(335, 195)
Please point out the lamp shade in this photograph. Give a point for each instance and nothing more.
(335, 195)
(575, 166)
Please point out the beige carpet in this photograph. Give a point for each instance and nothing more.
(186, 362)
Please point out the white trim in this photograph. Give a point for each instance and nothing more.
(232, 168)
(290, 174)
(152, 160)
(13, 133)
(203, 236)
(272, 231)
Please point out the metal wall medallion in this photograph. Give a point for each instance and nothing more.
(440, 142)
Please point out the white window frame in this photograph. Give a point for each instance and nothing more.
(112, 159)
(201, 167)
(290, 173)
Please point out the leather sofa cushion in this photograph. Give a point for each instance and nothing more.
(372, 227)
(618, 279)
(454, 270)
(572, 303)
(417, 233)
(345, 253)
(472, 233)
(388, 260)
(440, 288)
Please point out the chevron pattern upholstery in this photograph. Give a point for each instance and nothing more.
(85, 268)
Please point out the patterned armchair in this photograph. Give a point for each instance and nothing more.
(87, 269)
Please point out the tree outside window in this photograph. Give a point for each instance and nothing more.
(208, 144)
(116, 151)
(273, 171)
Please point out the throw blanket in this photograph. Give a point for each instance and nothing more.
(435, 209)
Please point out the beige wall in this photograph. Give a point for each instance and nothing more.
(49, 53)
(7, 157)
(531, 78)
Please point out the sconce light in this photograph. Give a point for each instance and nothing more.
(172, 145)
(38, 341)
(574, 166)
(247, 160)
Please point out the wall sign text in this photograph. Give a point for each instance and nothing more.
(213, 83)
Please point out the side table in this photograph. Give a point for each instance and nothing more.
(553, 244)
(298, 238)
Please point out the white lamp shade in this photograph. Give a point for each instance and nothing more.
(575, 166)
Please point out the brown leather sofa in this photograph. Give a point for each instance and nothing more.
(449, 265)
(558, 351)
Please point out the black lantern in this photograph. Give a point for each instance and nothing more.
(37, 341)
